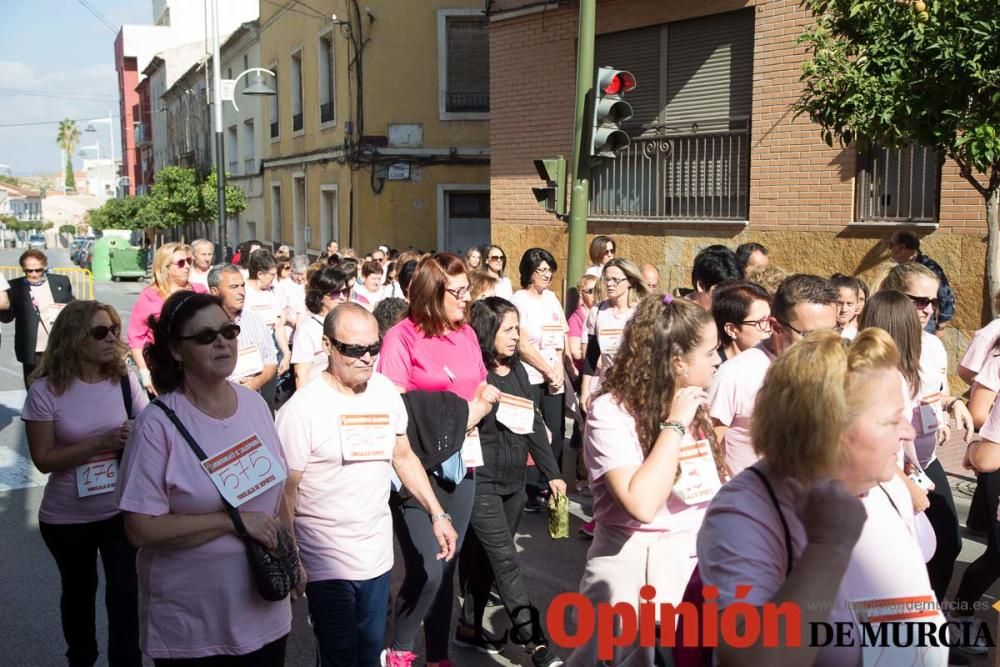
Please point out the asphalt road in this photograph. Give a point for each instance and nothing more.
(29, 616)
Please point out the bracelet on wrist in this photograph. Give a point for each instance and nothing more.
(438, 517)
(680, 428)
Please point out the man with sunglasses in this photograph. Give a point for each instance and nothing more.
(343, 435)
(257, 360)
(802, 304)
(35, 301)
(904, 247)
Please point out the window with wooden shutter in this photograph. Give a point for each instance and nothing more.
(468, 65)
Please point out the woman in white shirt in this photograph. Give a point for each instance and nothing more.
(495, 265)
(327, 289)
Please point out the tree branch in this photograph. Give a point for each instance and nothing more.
(966, 171)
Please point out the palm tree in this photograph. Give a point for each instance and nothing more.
(68, 138)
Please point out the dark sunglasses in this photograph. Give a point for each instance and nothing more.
(101, 331)
(498, 258)
(208, 336)
(184, 261)
(356, 351)
(337, 293)
(587, 291)
(34, 270)
(921, 302)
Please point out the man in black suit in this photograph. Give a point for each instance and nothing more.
(35, 301)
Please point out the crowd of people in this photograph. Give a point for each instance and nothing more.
(731, 433)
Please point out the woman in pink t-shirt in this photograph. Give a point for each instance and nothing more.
(653, 461)
(172, 266)
(197, 598)
(77, 416)
(433, 349)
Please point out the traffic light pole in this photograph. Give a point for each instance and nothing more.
(580, 193)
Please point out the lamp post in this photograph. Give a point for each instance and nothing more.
(256, 88)
(111, 133)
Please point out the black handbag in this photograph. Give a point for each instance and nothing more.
(275, 573)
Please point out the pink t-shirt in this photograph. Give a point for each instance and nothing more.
(731, 399)
(342, 520)
(540, 314)
(989, 374)
(981, 346)
(933, 380)
(741, 543)
(75, 419)
(611, 441)
(576, 330)
(452, 362)
(198, 601)
(149, 303)
(307, 346)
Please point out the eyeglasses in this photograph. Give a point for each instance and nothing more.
(764, 324)
(609, 252)
(356, 351)
(544, 272)
(459, 293)
(615, 282)
(495, 258)
(921, 302)
(33, 270)
(339, 293)
(183, 261)
(101, 331)
(798, 331)
(587, 291)
(208, 336)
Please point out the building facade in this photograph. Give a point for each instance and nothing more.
(24, 205)
(379, 132)
(717, 153)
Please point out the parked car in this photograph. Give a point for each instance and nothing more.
(87, 255)
(74, 249)
(37, 241)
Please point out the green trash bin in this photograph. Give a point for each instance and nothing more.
(126, 261)
(100, 264)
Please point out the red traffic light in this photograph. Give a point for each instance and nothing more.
(620, 83)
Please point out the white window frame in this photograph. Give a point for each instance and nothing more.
(442, 44)
(442, 205)
(328, 33)
(323, 237)
(297, 51)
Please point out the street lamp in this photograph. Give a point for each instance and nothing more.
(96, 147)
(258, 87)
(111, 132)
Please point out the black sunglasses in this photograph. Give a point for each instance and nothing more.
(587, 291)
(101, 331)
(208, 336)
(921, 302)
(356, 351)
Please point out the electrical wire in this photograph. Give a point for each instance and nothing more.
(48, 122)
(67, 96)
(99, 16)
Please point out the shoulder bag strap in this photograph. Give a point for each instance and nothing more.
(891, 501)
(781, 515)
(234, 514)
(127, 394)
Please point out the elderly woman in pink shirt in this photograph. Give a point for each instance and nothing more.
(172, 266)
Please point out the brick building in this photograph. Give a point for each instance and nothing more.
(717, 155)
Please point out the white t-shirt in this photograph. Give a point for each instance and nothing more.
(293, 295)
(980, 346)
(606, 325)
(369, 300)
(267, 304)
(307, 347)
(200, 277)
(543, 321)
(342, 520)
(933, 380)
(504, 288)
(731, 398)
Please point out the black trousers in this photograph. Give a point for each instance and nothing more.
(26, 370)
(489, 554)
(553, 408)
(75, 548)
(985, 570)
(268, 655)
(944, 520)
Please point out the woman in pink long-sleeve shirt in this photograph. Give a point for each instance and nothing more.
(171, 273)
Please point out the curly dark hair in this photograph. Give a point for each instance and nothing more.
(389, 312)
(485, 319)
(177, 311)
(321, 283)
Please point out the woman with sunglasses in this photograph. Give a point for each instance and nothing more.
(435, 350)
(327, 289)
(172, 266)
(197, 596)
(77, 417)
(602, 250)
(742, 313)
(495, 265)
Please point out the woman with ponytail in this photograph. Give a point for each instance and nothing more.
(653, 461)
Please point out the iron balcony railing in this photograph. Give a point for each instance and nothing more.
(297, 122)
(897, 185)
(326, 112)
(695, 175)
(467, 102)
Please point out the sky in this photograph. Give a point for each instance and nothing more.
(60, 49)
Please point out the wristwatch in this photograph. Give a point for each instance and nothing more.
(438, 517)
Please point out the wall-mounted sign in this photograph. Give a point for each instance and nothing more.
(399, 171)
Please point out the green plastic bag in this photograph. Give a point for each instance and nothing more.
(558, 516)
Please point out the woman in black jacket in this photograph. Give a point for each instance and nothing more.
(489, 553)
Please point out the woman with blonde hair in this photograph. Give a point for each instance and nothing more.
(474, 259)
(482, 285)
(495, 264)
(812, 522)
(172, 266)
(653, 460)
(77, 417)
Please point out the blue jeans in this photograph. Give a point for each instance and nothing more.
(348, 618)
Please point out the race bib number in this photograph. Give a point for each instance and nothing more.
(98, 475)
(244, 471)
(52, 312)
(472, 450)
(698, 480)
(366, 437)
(930, 414)
(266, 312)
(610, 340)
(553, 337)
(249, 362)
(909, 611)
(516, 413)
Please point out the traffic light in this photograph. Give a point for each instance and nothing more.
(553, 196)
(610, 110)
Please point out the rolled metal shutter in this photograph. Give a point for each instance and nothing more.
(636, 51)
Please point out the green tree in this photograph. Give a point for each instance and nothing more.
(68, 138)
(178, 197)
(887, 73)
(67, 229)
(124, 213)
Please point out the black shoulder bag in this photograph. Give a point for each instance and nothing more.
(275, 574)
